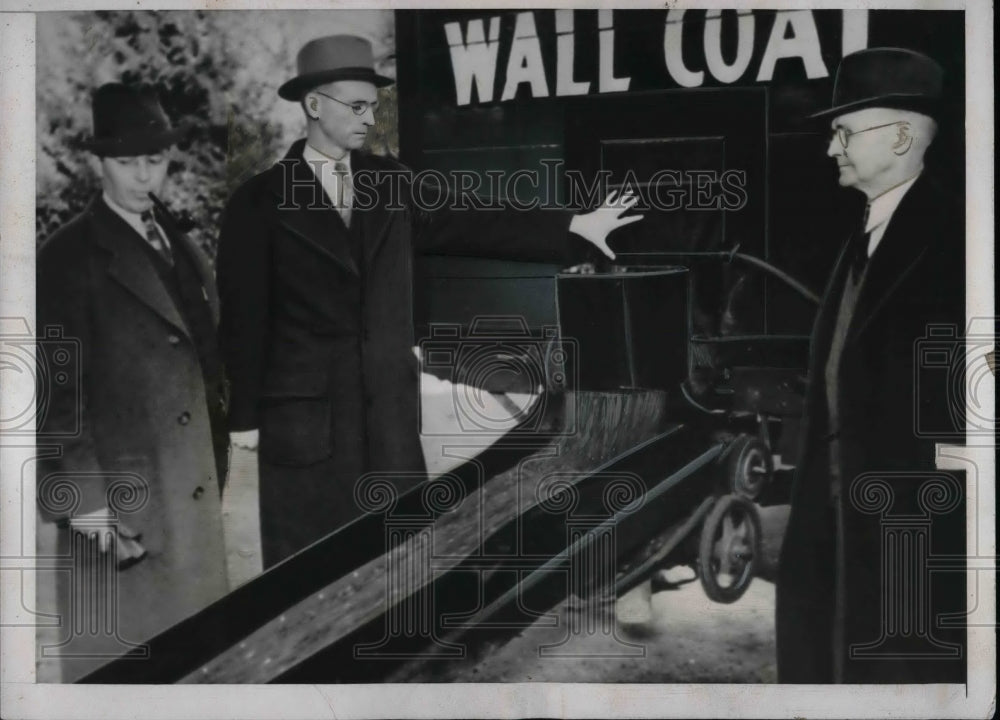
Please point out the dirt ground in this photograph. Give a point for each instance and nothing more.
(672, 636)
(687, 639)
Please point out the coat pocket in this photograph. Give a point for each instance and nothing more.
(296, 431)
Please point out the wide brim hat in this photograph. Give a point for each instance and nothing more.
(129, 121)
(886, 77)
(329, 59)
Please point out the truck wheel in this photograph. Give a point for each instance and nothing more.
(729, 547)
(749, 467)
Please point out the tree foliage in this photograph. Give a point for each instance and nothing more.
(216, 73)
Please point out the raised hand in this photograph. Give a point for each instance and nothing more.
(596, 225)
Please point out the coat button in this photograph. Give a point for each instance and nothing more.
(184, 418)
(198, 492)
(173, 339)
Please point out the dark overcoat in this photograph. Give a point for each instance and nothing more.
(892, 410)
(318, 339)
(133, 409)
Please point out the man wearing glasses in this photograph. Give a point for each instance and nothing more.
(845, 613)
(315, 278)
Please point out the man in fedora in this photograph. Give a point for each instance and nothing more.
(315, 276)
(139, 432)
(845, 611)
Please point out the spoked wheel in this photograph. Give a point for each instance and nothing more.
(729, 548)
(749, 467)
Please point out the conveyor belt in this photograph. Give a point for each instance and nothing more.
(493, 592)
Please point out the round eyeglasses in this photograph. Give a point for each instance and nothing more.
(844, 135)
(359, 108)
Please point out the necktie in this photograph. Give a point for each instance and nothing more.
(345, 196)
(858, 252)
(155, 238)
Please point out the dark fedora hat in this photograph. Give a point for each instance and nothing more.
(331, 58)
(886, 77)
(129, 121)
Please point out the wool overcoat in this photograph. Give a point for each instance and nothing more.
(127, 425)
(837, 619)
(317, 326)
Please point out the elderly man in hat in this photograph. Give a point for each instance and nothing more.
(140, 430)
(317, 299)
(848, 609)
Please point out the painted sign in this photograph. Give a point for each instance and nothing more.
(703, 47)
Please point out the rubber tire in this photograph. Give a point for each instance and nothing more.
(740, 455)
(706, 548)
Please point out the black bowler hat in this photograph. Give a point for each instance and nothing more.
(886, 77)
(332, 58)
(129, 121)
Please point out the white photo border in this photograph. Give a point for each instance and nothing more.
(22, 698)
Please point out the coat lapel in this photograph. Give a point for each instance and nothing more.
(305, 211)
(826, 318)
(371, 208)
(899, 251)
(130, 265)
(180, 242)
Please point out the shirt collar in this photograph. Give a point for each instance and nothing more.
(133, 219)
(881, 208)
(313, 156)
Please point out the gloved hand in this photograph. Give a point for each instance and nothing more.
(245, 439)
(596, 225)
(111, 535)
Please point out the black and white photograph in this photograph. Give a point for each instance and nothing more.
(481, 360)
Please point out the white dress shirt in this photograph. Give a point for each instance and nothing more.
(324, 167)
(880, 210)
